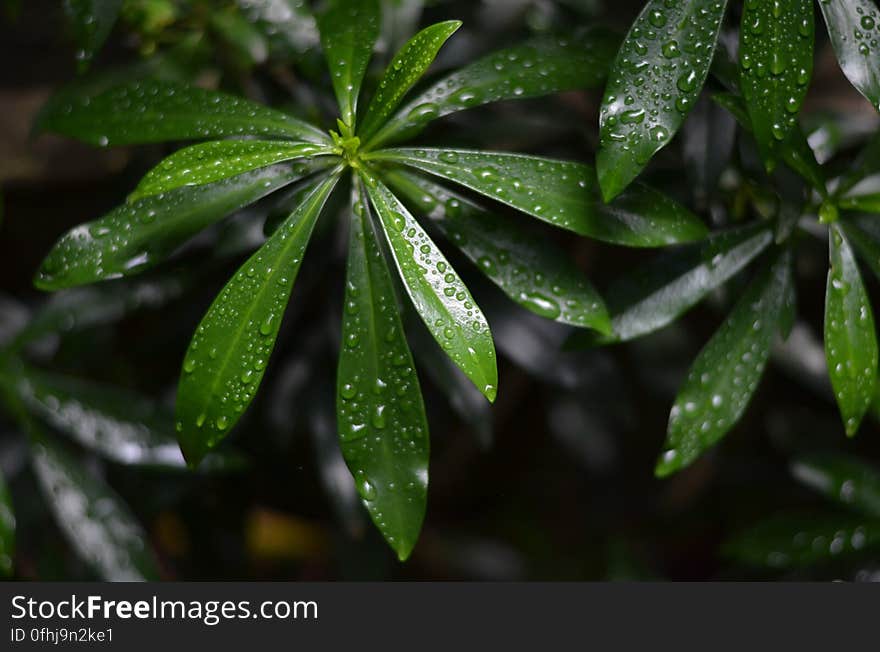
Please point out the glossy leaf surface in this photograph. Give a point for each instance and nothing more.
(92, 22)
(722, 379)
(440, 297)
(854, 28)
(850, 337)
(654, 83)
(7, 530)
(153, 111)
(776, 64)
(535, 68)
(231, 347)
(846, 480)
(561, 193)
(381, 419)
(536, 274)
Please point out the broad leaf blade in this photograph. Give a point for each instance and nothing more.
(722, 379)
(536, 68)
(349, 29)
(437, 292)
(92, 22)
(850, 338)
(654, 83)
(136, 236)
(854, 28)
(776, 64)
(7, 530)
(153, 111)
(205, 163)
(843, 479)
(561, 193)
(537, 275)
(381, 419)
(232, 345)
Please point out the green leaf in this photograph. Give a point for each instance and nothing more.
(349, 29)
(536, 274)
(850, 338)
(209, 162)
(136, 236)
(863, 232)
(561, 193)
(7, 530)
(405, 69)
(383, 431)
(797, 541)
(153, 111)
(232, 345)
(854, 28)
(438, 294)
(535, 68)
(843, 479)
(95, 521)
(657, 293)
(654, 83)
(776, 63)
(722, 379)
(92, 22)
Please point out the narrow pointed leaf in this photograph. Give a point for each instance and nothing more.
(850, 338)
(776, 64)
(7, 530)
(231, 348)
(405, 69)
(138, 235)
(657, 293)
(383, 431)
(92, 22)
(536, 274)
(854, 28)
(349, 29)
(437, 292)
(722, 379)
(653, 84)
(209, 162)
(560, 193)
(845, 480)
(95, 521)
(153, 111)
(535, 68)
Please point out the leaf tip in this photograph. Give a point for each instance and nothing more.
(669, 462)
(610, 182)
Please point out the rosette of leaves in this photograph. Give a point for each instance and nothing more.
(655, 81)
(381, 417)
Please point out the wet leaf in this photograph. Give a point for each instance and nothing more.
(653, 84)
(846, 480)
(92, 22)
(850, 338)
(854, 28)
(138, 235)
(560, 193)
(438, 294)
(209, 162)
(383, 431)
(153, 111)
(722, 379)
(536, 274)
(7, 530)
(776, 64)
(535, 68)
(229, 352)
(349, 29)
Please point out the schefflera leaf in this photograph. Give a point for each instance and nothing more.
(536, 274)
(405, 69)
(724, 376)
(854, 28)
(153, 111)
(437, 292)
(561, 193)
(654, 83)
(776, 64)
(137, 235)
(850, 337)
(383, 430)
(205, 163)
(7, 530)
(232, 345)
(349, 29)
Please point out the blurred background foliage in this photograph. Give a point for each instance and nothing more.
(556, 481)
